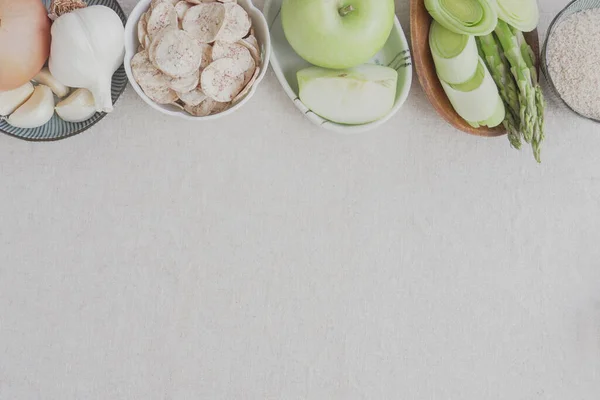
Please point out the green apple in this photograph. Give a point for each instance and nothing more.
(351, 96)
(337, 33)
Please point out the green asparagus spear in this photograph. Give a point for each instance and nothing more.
(511, 126)
(500, 73)
(541, 107)
(490, 52)
(540, 103)
(527, 53)
(520, 70)
(512, 90)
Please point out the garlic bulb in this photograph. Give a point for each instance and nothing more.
(78, 107)
(45, 78)
(12, 99)
(88, 46)
(36, 111)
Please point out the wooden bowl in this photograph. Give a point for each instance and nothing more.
(420, 21)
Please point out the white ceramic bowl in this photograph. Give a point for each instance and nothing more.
(261, 31)
(286, 63)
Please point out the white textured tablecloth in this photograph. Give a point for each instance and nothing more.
(259, 257)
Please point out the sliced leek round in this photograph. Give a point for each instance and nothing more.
(477, 100)
(523, 15)
(469, 17)
(496, 119)
(455, 55)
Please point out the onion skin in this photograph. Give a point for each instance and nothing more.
(24, 41)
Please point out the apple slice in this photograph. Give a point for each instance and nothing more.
(352, 96)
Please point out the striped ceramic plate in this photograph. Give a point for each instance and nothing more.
(56, 128)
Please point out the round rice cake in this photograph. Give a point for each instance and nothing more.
(238, 52)
(176, 53)
(204, 21)
(206, 54)
(147, 41)
(248, 86)
(151, 45)
(236, 25)
(163, 17)
(154, 3)
(207, 107)
(141, 67)
(181, 8)
(249, 71)
(186, 83)
(222, 80)
(253, 47)
(141, 29)
(219, 107)
(203, 109)
(151, 80)
(178, 104)
(160, 93)
(193, 98)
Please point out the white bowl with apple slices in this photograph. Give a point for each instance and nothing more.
(286, 63)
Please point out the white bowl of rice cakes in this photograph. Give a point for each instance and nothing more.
(196, 59)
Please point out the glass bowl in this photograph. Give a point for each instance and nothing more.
(572, 8)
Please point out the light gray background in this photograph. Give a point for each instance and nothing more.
(259, 257)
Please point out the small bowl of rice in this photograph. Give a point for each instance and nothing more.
(571, 57)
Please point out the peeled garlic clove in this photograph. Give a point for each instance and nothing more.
(78, 107)
(44, 77)
(36, 111)
(13, 99)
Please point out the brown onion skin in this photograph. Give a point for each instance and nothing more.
(24, 41)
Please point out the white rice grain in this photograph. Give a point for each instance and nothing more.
(574, 61)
